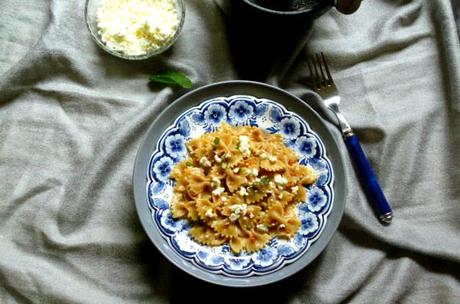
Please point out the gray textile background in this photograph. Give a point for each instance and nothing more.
(72, 118)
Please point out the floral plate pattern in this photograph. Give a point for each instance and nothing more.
(240, 110)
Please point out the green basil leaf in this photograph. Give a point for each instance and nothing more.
(172, 77)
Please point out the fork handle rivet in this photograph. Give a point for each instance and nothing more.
(348, 133)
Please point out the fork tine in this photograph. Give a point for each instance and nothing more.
(329, 76)
(318, 75)
(313, 76)
(320, 65)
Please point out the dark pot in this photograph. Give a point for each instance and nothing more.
(260, 35)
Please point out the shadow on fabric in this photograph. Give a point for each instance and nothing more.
(187, 289)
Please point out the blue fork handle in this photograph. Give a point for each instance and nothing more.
(369, 179)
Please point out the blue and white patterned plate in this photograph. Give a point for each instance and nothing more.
(240, 110)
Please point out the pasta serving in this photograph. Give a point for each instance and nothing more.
(239, 185)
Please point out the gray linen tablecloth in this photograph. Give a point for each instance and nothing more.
(72, 119)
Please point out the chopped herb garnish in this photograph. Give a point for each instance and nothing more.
(264, 181)
(216, 140)
(238, 146)
(189, 164)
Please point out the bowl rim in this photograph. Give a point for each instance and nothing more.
(171, 42)
(283, 13)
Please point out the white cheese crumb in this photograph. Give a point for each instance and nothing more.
(204, 161)
(295, 189)
(237, 211)
(244, 145)
(282, 226)
(263, 155)
(236, 170)
(224, 198)
(218, 191)
(196, 170)
(217, 158)
(243, 192)
(272, 158)
(136, 27)
(210, 214)
(216, 181)
(255, 172)
(280, 179)
(262, 227)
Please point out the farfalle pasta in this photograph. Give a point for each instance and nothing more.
(239, 186)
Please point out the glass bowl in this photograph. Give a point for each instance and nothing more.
(91, 8)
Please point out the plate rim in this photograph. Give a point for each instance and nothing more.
(141, 201)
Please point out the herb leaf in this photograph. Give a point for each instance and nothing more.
(172, 77)
(264, 181)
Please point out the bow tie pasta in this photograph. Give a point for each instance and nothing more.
(240, 185)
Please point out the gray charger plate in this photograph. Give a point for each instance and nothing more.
(228, 88)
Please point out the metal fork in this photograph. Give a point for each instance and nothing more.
(324, 85)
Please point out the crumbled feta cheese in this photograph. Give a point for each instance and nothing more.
(224, 198)
(204, 161)
(218, 191)
(210, 214)
(262, 227)
(233, 217)
(272, 158)
(257, 180)
(255, 171)
(280, 179)
(217, 158)
(196, 170)
(236, 170)
(227, 156)
(295, 189)
(136, 27)
(237, 211)
(216, 181)
(244, 145)
(282, 226)
(263, 155)
(243, 192)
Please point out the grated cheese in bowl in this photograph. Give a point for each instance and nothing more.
(135, 29)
